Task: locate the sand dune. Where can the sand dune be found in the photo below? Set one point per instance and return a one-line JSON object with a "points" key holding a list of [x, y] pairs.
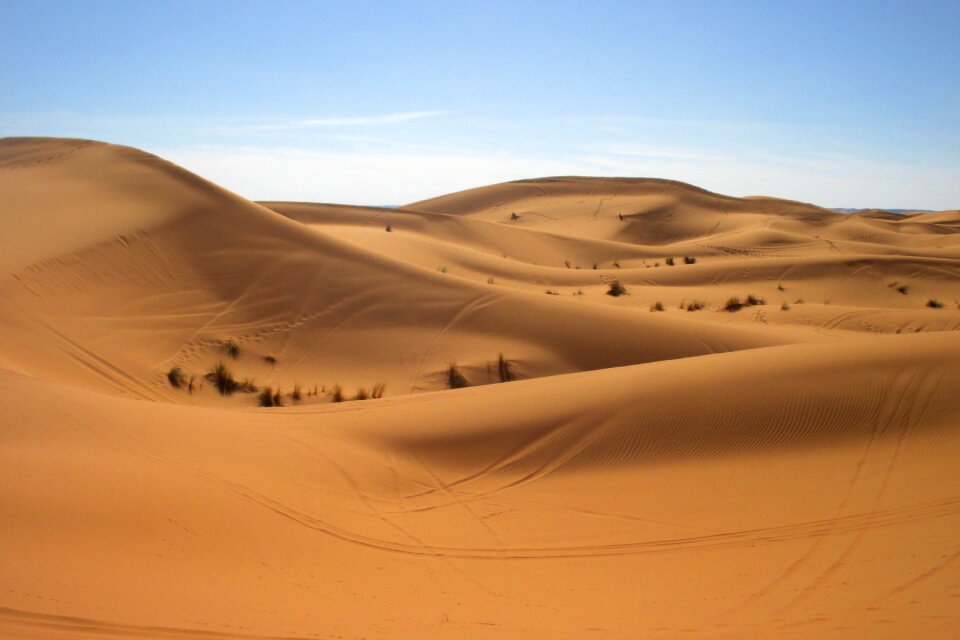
{"points": [[787, 468]]}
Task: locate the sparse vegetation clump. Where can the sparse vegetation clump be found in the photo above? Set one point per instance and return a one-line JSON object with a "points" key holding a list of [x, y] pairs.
{"points": [[361, 394], [733, 304], [297, 393], [175, 377], [278, 398], [232, 349], [505, 369], [696, 305], [552, 292], [567, 262], [785, 306], [389, 228], [455, 379], [265, 399], [337, 394], [222, 379], [934, 304], [247, 386], [514, 216], [442, 269], [490, 280], [656, 306], [616, 264], [689, 260], [669, 262], [578, 292], [616, 289], [595, 265], [270, 360], [378, 390]]}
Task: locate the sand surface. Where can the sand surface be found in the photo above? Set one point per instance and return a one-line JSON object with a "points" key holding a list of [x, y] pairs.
{"points": [[788, 469]]}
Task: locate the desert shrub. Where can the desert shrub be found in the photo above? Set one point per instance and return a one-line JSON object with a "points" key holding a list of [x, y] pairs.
{"points": [[361, 394], [656, 306], [504, 369], [567, 262], [278, 398], [232, 349], [389, 228], [378, 390], [455, 379], [190, 384], [247, 386], [798, 301], [753, 301], [265, 398], [442, 269], [621, 217], [552, 292], [689, 260], [297, 393], [656, 264], [578, 292], [903, 289], [514, 216], [595, 265], [669, 262], [616, 289], [222, 379], [934, 304], [616, 264], [733, 304], [175, 377], [696, 305], [490, 280], [785, 306], [337, 393], [270, 360]]}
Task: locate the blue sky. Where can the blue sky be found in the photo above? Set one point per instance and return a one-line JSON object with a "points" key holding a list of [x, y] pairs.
{"points": [[853, 104]]}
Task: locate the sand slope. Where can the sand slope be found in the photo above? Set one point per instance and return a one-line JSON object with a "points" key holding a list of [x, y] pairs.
{"points": [[759, 473]]}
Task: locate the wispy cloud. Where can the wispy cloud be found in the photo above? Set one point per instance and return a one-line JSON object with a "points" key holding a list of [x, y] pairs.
{"points": [[334, 122]]}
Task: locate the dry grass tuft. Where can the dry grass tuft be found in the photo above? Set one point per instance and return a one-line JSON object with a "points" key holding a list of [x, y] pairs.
{"points": [[175, 377], [222, 379], [455, 379], [616, 289], [733, 304], [505, 369]]}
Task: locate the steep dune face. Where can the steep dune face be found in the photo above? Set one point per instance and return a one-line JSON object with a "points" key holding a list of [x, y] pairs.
{"points": [[783, 467]]}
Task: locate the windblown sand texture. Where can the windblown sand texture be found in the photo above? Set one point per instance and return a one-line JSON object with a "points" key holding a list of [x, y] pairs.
{"points": [[788, 469]]}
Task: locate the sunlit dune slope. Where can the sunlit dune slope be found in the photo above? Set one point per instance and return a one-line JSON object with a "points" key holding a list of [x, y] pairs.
{"points": [[758, 438], [723, 496], [165, 270]]}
